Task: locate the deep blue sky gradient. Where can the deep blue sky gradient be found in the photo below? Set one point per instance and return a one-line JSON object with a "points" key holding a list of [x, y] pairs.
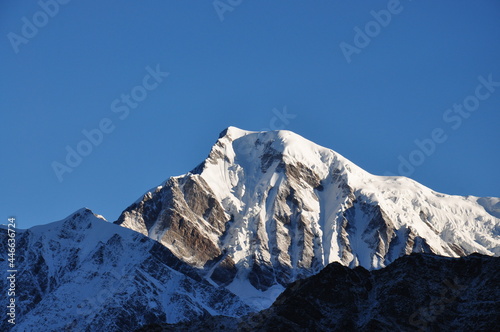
{"points": [[264, 55]]}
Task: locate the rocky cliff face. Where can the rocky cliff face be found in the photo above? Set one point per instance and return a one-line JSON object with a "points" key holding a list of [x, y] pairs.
{"points": [[420, 292], [85, 274], [267, 208]]}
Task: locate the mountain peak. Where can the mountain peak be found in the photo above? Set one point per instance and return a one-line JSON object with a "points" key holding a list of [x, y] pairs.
{"points": [[245, 144], [85, 212], [267, 208], [234, 133]]}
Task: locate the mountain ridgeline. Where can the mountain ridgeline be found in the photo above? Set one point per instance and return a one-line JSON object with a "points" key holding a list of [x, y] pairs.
{"points": [[264, 212], [267, 208]]}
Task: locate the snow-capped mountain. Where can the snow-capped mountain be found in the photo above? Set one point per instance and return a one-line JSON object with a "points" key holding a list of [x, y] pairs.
{"points": [[262, 211], [86, 274], [267, 208]]}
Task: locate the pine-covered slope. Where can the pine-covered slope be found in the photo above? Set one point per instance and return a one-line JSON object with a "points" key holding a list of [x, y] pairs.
{"points": [[267, 208]]}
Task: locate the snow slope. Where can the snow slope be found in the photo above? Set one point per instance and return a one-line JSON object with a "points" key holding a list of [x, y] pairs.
{"points": [[85, 274]]}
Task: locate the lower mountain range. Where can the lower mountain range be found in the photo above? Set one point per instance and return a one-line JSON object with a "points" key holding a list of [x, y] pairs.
{"points": [[420, 292]]}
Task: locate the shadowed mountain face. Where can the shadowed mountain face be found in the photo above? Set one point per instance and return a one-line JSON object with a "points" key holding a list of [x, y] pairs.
{"points": [[420, 291], [417, 292], [267, 208]]}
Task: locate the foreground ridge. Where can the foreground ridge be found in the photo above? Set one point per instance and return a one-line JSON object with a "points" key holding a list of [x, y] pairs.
{"points": [[416, 292]]}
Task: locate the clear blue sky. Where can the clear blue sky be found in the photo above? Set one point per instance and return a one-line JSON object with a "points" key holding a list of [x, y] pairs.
{"points": [[64, 77]]}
